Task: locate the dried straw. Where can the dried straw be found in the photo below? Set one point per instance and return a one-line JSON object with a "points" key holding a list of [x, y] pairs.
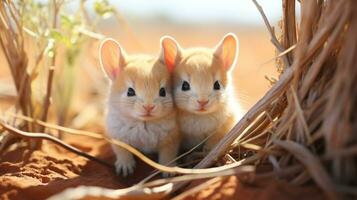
{"points": [[12, 45]]}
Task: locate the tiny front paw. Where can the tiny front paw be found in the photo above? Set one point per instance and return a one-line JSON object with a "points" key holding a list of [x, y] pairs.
{"points": [[125, 166]]}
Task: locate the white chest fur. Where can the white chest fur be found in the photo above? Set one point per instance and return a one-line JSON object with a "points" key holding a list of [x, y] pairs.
{"points": [[145, 136], [195, 128]]}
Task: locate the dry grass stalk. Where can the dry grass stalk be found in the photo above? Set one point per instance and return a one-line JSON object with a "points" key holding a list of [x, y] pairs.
{"points": [[47, 100], [161, 187], [12, 45], [43, 136]]}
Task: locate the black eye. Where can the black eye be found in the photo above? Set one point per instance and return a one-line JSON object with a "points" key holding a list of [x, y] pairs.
{"points": [[185, 86], [131, 92], [162, 92], [216, 86]]}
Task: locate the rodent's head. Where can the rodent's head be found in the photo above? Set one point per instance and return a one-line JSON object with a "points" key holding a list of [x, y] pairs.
{"points": [[200, 75], [140, 85]]}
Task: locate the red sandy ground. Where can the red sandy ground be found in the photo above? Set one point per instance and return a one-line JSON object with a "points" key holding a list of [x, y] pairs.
{"points": [[40, 174]]}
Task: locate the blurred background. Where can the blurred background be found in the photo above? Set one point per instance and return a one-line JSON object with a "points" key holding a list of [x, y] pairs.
{"points": [[79, 87]]}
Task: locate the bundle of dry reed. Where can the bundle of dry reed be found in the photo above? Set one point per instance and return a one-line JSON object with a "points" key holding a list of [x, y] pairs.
{"points": [[12, 45]]}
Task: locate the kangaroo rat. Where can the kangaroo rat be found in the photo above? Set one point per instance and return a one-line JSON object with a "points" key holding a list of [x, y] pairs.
{"points": [[140, 107], [202, 89]]}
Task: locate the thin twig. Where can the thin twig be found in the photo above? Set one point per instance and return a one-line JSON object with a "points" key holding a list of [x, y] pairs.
{"points": [[51, 70], [43, 136]]}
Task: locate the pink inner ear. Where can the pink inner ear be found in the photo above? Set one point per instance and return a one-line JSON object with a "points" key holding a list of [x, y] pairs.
{"points": [[230, 53], [111, 57], [170, 63], [227, 50], [115, 72], [170, 52]]}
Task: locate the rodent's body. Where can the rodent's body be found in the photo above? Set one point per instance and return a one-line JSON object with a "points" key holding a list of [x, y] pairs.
{"points": [[140, 108], [202, 90], [195, 128]]}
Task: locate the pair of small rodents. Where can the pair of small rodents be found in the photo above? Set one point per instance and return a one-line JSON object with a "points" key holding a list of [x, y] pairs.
{"points": [[159, 104]]}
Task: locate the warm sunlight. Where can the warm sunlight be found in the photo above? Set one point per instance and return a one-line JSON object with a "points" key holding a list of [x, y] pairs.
{"points": [[178, 99]]}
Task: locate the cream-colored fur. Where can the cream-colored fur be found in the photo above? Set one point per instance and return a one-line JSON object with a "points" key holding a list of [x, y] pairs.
{"points": [[128, 118], [201, 68], [142, 135]]}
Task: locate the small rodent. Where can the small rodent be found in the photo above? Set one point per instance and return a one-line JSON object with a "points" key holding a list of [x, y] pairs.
{"points": [[140, 108], [202, 89]]}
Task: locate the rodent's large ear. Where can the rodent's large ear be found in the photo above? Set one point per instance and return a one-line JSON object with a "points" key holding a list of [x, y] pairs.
{"points": [[227, 50], [111, 57], [170, 52]]}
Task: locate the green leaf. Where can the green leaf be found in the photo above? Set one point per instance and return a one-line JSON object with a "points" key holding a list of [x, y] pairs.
{"points": [[67, 21], [59, 37], [103, 8], [56, 35]]}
